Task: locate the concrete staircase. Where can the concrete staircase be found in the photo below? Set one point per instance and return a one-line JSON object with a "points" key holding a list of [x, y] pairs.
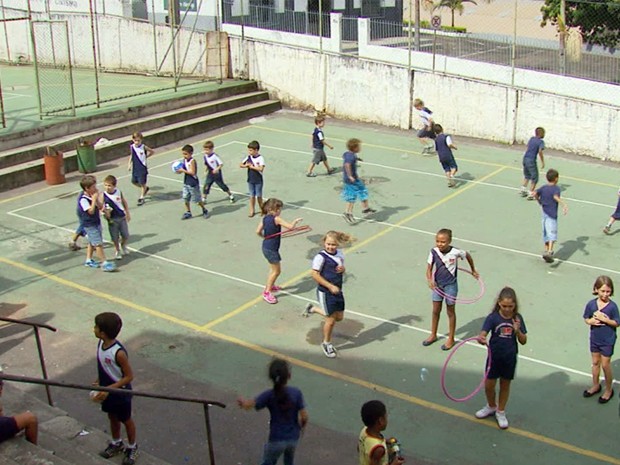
{"points": [[62, 439], [21, 158]]}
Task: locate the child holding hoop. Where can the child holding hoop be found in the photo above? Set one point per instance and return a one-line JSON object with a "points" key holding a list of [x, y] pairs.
{"points": [[288, 414], [601, 314], [506, 326], [328, 272], [270, 229], [443, 260]]}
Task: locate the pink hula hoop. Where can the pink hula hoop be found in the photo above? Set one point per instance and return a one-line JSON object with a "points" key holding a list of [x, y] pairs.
{"points": [[445, 367], [290, 232], [464, 301]]}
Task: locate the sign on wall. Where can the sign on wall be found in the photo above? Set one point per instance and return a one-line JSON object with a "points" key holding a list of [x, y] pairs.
{"points": [[183, 5]]}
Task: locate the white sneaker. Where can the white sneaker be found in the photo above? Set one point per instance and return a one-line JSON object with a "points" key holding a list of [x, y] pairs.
{"points": [[502, 421], [328, 349], [118, 255], [125, 251], [485, 411]]}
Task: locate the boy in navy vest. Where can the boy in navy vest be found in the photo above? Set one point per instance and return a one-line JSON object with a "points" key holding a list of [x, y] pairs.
{"points": [[444, 147], [88, 205], [114, 371], [116, 211], [255, 164], [425, 134]]}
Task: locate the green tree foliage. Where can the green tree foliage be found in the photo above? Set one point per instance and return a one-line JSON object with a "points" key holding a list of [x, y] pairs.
{"points": [[597, 20], [453, 5]]}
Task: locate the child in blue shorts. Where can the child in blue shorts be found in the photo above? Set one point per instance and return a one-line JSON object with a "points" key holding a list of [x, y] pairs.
{"points": [[614, 216], [89, 203], [601, 314], [255, 164], [353, 188], [535, 148], [191, 184], [548, 197], [444, 147]]}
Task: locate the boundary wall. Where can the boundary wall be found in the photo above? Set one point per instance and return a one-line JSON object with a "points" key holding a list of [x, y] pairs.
{"points": [[468, 98]]}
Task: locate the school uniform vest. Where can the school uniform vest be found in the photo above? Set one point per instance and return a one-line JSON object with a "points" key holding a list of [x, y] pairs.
{"points": [[211, 162], [328, 271], [254, 177], [317, 139], [85, 218], [443, 150], [108, 369], [443, 277], [138, 158], [190, 180], [269, 228], [114, 203]]}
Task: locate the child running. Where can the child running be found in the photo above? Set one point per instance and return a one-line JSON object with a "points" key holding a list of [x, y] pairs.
{"points": [[287, 410], [89, 204], [444, 147], [318, 148], [328, 272], [114, 371], [612, 219], [601, 314], [506, 326], [535, 148], [191, 185], [443, 260], [270, 229], [426, 134], [255, 164], [137, 164], [353, 188], [548, 197], [116, 211], [371, 447], [213, 168]]}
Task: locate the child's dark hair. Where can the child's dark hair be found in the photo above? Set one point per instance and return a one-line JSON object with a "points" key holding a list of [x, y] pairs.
{"points": [[603, 281], [552, 175], [372, 411], [339, 236], [187, 148], [445, 232], [506, 293], [254, 145], [208, 145], [109, 323], [279, 373], [88, 181], [354, 145], [319, 119], [110, 180], [540, 132], [437, 128], [271, 205]]}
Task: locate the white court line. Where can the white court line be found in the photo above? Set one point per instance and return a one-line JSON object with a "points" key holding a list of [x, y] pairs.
{"points": [[305, 299], [12, 95], [43, 202], [426, 173]]}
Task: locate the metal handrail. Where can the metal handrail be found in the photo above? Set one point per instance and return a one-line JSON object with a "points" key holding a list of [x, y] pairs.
{"points": [[205, 403], [37, 336]]}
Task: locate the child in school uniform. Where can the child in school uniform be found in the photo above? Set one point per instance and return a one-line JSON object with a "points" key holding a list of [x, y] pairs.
{"points": [[191, 185], [139, 152], [614, 216], [372, 448], [425, 134], [255, 164], [116, 211], [318, 148], [213, 168], [353, 188], [444, 147], [535, 148], [548, 197]]}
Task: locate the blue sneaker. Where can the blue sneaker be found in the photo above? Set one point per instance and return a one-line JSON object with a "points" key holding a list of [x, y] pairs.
{"points": [[91, 263], [108, 266], [186, 216]]}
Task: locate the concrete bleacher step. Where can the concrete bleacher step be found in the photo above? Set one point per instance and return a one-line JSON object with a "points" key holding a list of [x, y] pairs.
{"points": [[68, 142], [32, 171], [63, 440]]}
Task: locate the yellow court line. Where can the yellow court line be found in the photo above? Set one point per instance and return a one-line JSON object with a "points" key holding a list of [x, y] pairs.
{"points": [[315, 368], [478, 162], [157, 154], [366, 241], [101, 295]]}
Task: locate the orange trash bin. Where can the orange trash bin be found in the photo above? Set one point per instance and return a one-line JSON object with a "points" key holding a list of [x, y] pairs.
{"points": [[54, 166]]}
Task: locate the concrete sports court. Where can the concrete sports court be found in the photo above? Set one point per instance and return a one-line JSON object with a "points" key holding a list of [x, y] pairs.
{"points": [[195, 322]]}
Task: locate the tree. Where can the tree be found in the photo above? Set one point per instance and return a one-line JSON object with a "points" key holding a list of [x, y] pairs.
{"points": [[597, 20], [453, 5]]}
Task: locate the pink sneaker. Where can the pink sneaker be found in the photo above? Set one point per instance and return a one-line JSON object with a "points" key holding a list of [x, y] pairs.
{"points": [[275, 288], [269, 298]]}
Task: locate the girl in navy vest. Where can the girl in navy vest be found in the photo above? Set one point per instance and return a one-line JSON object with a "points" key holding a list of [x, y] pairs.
{"points": [[270, 229], [601, 314], [328, 272], [443, 260], [138, 153], [444, 147], [506, 327]]}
